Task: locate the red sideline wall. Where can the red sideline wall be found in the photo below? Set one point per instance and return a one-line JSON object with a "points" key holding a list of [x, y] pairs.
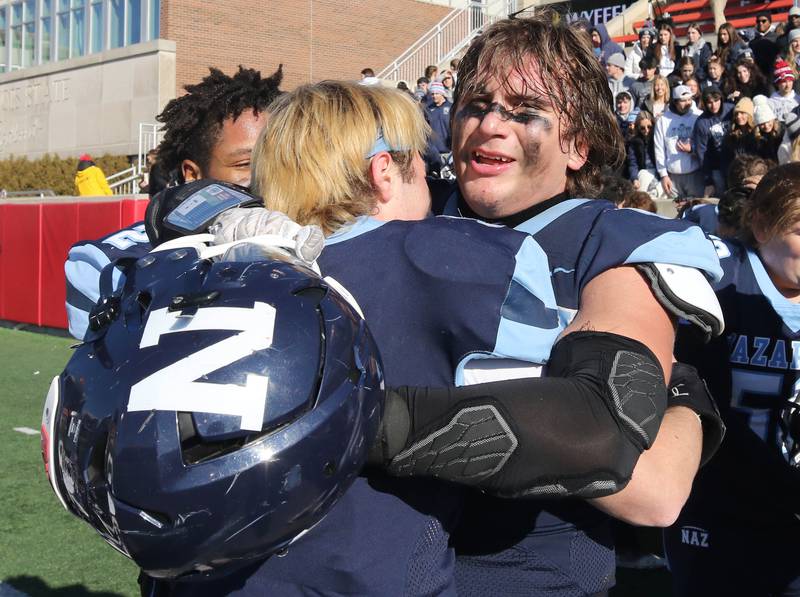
{"points": [[35, 236]]}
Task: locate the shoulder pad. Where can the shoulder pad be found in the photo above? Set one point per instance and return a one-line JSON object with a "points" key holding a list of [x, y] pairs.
{"points": [[686, 293]]}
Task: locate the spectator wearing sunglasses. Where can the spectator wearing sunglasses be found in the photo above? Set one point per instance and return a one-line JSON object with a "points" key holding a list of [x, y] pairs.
{"points": [[765, 43]]}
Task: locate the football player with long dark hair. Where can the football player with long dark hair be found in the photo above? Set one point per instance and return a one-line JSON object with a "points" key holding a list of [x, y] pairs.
{"points": [[366, 141]]}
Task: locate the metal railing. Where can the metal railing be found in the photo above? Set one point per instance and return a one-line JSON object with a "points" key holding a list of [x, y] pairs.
{"points": [[446, 39], [122, 182], [126, 181]]}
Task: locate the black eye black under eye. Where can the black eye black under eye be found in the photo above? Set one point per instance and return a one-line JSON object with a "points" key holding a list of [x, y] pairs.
{"points": [[522, 117]]}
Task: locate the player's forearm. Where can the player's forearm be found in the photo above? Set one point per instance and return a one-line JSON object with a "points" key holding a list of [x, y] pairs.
{"points": [[577, 433], [662, 478]]}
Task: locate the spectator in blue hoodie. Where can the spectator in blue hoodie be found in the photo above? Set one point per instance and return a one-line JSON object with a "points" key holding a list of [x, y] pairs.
{"points": [[603, 46], [437, 113], [709, 131]]}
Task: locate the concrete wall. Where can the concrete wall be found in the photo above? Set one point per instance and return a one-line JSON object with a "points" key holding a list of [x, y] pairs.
{"points": [[314, 39], [91, 104]]}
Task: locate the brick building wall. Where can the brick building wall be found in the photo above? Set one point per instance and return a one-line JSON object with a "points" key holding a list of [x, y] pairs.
{"points": [[314, 39]]}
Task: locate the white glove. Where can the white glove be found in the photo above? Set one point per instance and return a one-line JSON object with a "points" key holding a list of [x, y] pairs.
{"points": [[239, 223]]}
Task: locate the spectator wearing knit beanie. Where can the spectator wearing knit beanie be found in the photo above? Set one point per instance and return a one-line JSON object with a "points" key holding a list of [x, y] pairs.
{"points": [[769, 132], [740, 138], [793, 51], [784, 99], [437, 113]]}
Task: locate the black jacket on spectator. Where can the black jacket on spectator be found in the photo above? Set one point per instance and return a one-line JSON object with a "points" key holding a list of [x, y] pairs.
{"points": [[637, 158], [707, 138], [733, 145], [765, 50], [766, 146], [750, 89]]}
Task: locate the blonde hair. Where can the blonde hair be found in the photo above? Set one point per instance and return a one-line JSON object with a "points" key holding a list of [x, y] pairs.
{"points": [[795, 150], [663, 80], [791, 58], [311, 160]]}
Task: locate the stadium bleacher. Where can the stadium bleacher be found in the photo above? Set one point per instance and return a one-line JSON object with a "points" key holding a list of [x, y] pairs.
{"points": [[740, 13]]}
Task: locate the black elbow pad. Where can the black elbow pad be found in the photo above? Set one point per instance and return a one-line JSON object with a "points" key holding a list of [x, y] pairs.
{"points": [[577, 432], [624, 373]]}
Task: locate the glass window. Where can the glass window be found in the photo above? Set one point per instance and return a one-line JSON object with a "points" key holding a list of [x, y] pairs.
{"points": [[16, 46], [78, 28], [3, 46], [155, 19], [47, 39], [117, 29], [16, 35], [63, 35], [97, 26], [28, 33], [28, 56], [46, 28], [134, 22]]}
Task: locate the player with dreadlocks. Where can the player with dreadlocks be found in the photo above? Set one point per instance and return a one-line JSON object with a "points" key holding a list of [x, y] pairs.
{"points": [[209, 133]]}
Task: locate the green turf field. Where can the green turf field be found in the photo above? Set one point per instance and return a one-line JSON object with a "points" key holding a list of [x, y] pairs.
{"points": [[43, 549]]}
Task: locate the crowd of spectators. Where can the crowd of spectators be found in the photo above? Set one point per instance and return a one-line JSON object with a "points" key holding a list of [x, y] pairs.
{"points": [[685, 109], [434, 94], [689, 109]]}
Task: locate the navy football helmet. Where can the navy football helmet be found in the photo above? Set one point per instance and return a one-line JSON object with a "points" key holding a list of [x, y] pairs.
{"points": [[221, 409]]}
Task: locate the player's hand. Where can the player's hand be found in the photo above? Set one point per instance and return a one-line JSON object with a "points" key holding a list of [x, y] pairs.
{"points": [[709, 191], [239, 223], [687, 389]]}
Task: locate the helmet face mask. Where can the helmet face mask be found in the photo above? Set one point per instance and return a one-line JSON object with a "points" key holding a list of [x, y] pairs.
{"points": [[219, 416], [790, 431]]}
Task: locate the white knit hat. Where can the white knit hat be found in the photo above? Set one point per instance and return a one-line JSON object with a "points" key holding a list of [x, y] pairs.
{"points": [[763, 113]]}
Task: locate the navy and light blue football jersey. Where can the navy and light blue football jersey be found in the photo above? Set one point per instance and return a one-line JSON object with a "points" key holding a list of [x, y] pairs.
{"points": [[704, 215], [432, 292], [551, 547], [443, 297], [740, 521], [761, 341], [85, 262]]}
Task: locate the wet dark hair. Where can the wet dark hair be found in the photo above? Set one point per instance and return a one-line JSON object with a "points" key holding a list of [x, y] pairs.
{"points": [[569, 76], [729, 210], [613, 187], [744, 166], [193, 121]]}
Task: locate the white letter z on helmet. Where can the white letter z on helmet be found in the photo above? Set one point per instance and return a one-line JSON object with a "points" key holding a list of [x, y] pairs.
{"points": [[218, 414]]}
